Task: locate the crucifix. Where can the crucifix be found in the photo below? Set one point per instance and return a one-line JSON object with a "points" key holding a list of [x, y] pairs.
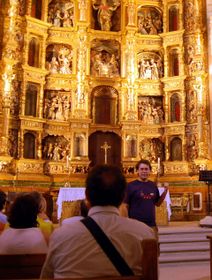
{"points": [[105, 147]]}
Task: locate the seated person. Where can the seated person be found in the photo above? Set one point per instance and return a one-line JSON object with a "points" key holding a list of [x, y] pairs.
{"points": [[23, 236], [44, 223], [73, 251], [79, 212], [3, 217]]}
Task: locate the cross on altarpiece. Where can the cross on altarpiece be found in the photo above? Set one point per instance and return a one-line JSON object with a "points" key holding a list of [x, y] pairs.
{"points": [[105, 147]]}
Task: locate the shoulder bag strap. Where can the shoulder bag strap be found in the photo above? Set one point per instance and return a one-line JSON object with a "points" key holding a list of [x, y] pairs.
{"points": [[107, 246]]}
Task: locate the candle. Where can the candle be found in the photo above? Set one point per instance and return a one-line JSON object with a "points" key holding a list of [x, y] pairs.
{"points": [[67, 162], [158, 164]]}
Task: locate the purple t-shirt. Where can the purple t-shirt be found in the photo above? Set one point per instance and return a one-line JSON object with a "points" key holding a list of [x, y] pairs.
{"points": [[141, 198]]}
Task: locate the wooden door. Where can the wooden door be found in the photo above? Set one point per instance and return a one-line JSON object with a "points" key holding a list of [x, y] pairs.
{"points": [[97, 152]]}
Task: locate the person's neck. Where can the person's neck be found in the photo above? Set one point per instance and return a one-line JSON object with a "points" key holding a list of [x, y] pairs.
{"points": [[143, 179]]}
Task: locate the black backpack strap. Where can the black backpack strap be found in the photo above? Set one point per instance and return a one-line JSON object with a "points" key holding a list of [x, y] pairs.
{"points": [[107, 246]]}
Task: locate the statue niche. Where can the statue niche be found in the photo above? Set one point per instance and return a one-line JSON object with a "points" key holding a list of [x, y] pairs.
{"points": [[61, 13], [173, 62], [29, 145], [150, 110], [150, 21], [150, 66], [104, 105], [151, 149], [55, 148], [34, 53], [131, 146], [106, 15], [173, 18], [36, 9], [31, 99], [57, 105], [105, 58], [175, 108], [59, 59], [176, 149], [79, 144]]}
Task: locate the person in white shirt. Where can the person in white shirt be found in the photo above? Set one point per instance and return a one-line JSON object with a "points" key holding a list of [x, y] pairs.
{"points": [[73, 251], [23, 236]]}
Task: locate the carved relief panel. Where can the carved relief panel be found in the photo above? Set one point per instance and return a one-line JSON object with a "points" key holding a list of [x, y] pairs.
{"points": [[61, 13], [55, 148], [105, 58], [59, 59], [106, 15], [57, 105], [150, 21], [150, 110], [151, 149]]}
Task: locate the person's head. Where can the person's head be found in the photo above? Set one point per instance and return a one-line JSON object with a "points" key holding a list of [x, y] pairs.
{"points": [[144, 168], [40, 200], [23, 212], [3, 199], [105, 185]]}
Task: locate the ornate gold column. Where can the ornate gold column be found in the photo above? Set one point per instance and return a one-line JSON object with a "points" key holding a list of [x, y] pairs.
{"points": [[9, 55], [131, 110]]}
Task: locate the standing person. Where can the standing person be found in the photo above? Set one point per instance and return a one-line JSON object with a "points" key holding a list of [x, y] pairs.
{"points": [[142, 196], [73, 251], [3, 217]]}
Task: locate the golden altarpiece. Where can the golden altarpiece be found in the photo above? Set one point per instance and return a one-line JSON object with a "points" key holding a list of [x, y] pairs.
{"points": [[88, 81]]}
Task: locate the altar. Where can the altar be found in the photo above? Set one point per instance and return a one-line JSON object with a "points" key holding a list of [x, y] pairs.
{"points": [[67, 197]]}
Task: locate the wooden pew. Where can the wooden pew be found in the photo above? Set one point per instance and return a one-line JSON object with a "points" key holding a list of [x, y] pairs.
{"points": [[21, 266], [29, 266]]}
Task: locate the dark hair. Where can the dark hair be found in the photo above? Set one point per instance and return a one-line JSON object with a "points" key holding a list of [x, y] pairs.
{"points": [[3, 199], [143, 161], [83, 208], [105, 185], [23, 212]]}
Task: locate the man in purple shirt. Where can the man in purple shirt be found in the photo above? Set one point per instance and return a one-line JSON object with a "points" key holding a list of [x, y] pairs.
{"points": [[142, 196]]}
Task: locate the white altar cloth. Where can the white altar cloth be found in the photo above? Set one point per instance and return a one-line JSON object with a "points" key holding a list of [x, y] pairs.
{"points": [[68, 194], [168, 201], [72, 194]]}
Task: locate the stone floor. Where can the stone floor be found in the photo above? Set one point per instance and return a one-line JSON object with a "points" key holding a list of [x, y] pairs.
{"points": [[183, 271]]}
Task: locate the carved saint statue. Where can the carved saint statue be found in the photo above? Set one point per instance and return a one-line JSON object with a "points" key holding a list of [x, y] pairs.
{"points": [[105, 12]]}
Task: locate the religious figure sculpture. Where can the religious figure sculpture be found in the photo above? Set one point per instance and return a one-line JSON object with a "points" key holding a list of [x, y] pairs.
{"points": [[149, 21], [105, 12]]}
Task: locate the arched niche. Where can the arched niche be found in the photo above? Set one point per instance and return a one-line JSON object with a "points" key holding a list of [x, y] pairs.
{"points": [[59, 59], [106, 15], [150, 20], [36, 9], [150, 65], [79, 144], [61, 13], [105, 105], [29, 145], [173, 62], [131, 146], [176, 149], [176, 109], [105, 58], [34, 52], [31, 99], [173, 18]]}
